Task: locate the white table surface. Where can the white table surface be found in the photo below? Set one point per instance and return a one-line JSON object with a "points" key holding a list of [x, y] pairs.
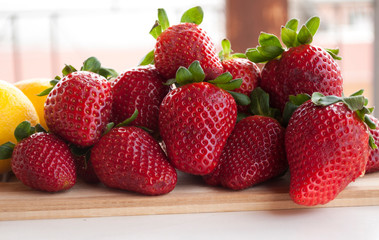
{"points": [[355, 223]]}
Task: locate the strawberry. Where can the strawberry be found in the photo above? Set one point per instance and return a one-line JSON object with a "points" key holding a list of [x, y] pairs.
{"points": [[254, 152], [301, 68], [240, 67], [129, 158], [40, 160], [327, 145], [373, 160], [196, 118], [181, 44], [140, 88], [79, 106]]}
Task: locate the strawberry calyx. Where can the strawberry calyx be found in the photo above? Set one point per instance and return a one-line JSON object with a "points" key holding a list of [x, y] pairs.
{"points": [[260, 104], [293, 103], [193, 15], [271, 48], [92, 64], [22, 131], [194, 73], [226, 52]]}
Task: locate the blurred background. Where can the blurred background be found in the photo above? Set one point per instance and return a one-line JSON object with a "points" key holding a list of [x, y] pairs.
{"points": [[38, 37]]}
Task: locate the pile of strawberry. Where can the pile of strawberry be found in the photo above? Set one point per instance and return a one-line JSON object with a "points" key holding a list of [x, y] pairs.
{"points": [[190, 109]]}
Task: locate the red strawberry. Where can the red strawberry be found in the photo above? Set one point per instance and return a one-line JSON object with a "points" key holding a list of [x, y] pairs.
{"points": [[253, 153], [302, 68], [42, 161], [195, 120], [129, 158], [138, 88], [373, 160], [327, 147], [240, 67], [79, 107], [181, 44]]}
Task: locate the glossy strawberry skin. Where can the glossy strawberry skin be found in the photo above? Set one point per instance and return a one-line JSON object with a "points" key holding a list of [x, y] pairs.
{"points": [[327, 148], [302, 69], [129, 158], [138, 88], [195, 121], [44, 162], [253, 154], [247, 71], [373, 159], [180, 45], [79, 107]]}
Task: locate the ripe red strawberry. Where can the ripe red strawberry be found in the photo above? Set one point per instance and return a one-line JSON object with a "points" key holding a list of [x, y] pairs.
{"points": [[181, 44], [253, 153], [79, 107], [373, 159], [327, 145], [195, 120], [129, 158], [138, 88], [302, 68], [41, 160], [240, 67]]}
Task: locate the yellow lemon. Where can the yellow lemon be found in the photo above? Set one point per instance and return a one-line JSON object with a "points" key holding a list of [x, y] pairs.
{"points": [[15, 107], [31, 88]]}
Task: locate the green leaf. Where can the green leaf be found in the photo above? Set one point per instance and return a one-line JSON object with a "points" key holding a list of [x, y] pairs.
{"points": [[357, 93], [299, 98], [226, 49], [23, 130], [169, 82], [108, 73], [45, 92], [266, 39], [371, 142], [68, 69], [223, 78], [355, 102], [92, 64], [333, 53], [193, 15], [270, 52], [369, 122], [156, 30], [163, 19], [6, 150], [241, 115], [325, 100], [238, 55], [259, 102], [147, 59], [39, 128], [288, 37], [313, 24], [197, 71], [304, 36], [292, 24], [129, 120], [56, 78], [183, 76], [241, 99], [234, 84], [253, 55], [108, 127]]}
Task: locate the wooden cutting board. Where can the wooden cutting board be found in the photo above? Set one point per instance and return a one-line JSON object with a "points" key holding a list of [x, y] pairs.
{"points": [[191, 195]]}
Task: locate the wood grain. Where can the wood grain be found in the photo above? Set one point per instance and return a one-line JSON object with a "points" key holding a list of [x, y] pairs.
{"points": [[190, 196]]}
